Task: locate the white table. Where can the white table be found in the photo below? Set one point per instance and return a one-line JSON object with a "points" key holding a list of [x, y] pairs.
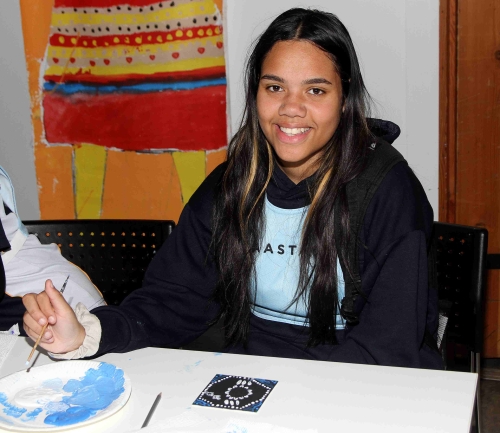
{"points": [[324, 396]]}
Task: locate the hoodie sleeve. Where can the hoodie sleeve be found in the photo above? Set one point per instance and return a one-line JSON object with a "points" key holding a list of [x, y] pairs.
{"points": [[4, 245], [11, 308], [399, 305], [173, 307]]}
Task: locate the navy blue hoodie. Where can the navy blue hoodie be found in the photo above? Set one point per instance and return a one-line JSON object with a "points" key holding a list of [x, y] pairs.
{"points": [[173, 307]]}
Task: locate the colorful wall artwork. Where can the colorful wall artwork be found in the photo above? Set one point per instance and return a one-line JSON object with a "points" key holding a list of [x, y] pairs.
{"points": [[128, 104]]}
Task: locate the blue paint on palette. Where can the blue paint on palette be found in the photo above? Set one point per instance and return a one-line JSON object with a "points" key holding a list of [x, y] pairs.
{"points": [[93, 392], [10, 409], [76, 400], [33, 414]]}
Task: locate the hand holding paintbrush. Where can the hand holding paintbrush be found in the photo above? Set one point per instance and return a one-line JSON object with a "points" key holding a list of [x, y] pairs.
{"points": [[44, 327], [50, 308]]}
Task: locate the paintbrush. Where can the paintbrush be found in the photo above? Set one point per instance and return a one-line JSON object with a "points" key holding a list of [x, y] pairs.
{"points": [[64, 285], [44, 328], [152, 410]]}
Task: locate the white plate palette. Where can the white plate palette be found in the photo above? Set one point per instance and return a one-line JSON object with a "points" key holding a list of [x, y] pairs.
{"points": [[63, 395]]}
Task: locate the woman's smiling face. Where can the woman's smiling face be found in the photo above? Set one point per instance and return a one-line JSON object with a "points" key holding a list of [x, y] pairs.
{"points": [[299, 103]]}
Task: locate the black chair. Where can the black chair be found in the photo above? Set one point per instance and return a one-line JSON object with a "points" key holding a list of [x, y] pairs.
{"points": [[460, 257], [114, 253]]}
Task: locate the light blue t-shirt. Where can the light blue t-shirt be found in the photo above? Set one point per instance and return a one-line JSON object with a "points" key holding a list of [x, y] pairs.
{"points": [[278, 268]]}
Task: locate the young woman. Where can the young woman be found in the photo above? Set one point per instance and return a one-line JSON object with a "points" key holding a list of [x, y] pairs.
{"points": [[264, 242]]}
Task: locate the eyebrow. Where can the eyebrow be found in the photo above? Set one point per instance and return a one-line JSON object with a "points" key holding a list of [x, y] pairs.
{"points": [[272, 78], [316, 81], [308, 81]]}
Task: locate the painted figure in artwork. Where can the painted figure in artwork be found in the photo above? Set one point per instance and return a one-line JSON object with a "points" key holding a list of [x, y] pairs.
{"points": [[135, 88]]}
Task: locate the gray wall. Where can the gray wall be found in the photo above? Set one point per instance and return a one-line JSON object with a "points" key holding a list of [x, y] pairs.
{"points": [[16, 133], [396, 40]]}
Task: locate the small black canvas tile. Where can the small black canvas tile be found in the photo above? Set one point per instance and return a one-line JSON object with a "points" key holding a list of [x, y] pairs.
{"points": [[235, 392]]}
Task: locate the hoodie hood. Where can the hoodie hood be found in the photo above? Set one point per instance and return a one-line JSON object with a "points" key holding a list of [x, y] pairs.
{"points": [[285, 194], [384, 129]]}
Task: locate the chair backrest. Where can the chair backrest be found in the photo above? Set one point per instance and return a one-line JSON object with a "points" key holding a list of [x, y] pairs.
{"points": [[460, 254], [114, 253]]}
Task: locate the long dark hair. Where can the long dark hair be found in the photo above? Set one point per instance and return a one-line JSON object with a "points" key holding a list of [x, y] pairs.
{"points": [[238, 221]]}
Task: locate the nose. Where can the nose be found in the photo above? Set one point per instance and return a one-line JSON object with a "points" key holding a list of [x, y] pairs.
{"points": [[292, 106]]}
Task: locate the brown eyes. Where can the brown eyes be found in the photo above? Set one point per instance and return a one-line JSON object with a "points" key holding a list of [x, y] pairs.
{"points": [[274, 88], [316, 91]]}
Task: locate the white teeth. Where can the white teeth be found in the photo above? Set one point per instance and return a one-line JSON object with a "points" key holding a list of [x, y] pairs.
{"points": [[294, 131]]}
